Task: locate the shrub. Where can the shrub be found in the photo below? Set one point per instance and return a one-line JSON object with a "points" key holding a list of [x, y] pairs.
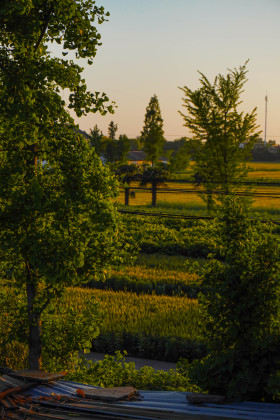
{"points": [[241, 310], [66, 330], [114, 371]]}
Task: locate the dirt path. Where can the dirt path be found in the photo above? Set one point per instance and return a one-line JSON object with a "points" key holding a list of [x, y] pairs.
{"points": [[157, 365]]}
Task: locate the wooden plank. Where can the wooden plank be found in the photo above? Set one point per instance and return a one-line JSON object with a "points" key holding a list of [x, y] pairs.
{"points": [[37, 375], [109, 394], [200, 398]]}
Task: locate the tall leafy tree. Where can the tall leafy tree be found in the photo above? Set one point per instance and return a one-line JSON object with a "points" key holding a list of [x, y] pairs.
{"points": [[123, 148], [112, 129], [224, 136], [96, 136], [58, 224], [116, 150], [152, 133]]}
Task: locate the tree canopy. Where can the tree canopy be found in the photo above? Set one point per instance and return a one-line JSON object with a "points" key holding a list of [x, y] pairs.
{"points": [[240, 308], [58, 224], [223, 135], [152, 133]]}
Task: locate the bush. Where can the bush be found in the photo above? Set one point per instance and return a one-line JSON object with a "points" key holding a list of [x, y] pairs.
{"points": [[171, 236], [66, 330], [113, 371], [241, 310], [149, 347]]}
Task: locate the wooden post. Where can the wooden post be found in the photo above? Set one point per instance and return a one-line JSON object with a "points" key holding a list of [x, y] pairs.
{"points": [[126, 196], [154, 193]]}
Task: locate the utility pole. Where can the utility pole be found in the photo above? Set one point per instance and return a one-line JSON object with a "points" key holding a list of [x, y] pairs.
{"points": [[265, 126]]}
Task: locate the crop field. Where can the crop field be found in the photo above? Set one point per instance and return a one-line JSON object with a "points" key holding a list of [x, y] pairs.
{"points": [[185, 196], [150, 326], [151, 315], [158, 279], [264, 170], [150, 307]]}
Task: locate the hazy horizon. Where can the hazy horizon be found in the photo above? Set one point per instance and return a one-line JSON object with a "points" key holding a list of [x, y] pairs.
{"points": [[155, 46]]}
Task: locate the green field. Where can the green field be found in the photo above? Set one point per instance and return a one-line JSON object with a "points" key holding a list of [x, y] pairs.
{"points": [[188, 197]]}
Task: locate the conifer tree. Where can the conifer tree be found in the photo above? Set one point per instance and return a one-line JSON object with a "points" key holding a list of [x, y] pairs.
{"points": [[152, 133], [96, 136], [112, 129]]}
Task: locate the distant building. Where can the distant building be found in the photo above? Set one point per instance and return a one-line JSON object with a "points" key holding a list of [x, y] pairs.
{"points": [[138, 157]]}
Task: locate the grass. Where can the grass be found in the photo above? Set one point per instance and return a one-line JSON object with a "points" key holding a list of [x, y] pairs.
{"points": [[165, 262], [161, 316], [188, 199]]}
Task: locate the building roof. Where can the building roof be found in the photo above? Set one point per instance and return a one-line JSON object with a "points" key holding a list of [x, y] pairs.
{"points": [[141, 156], [137, 155], [60, 399]]}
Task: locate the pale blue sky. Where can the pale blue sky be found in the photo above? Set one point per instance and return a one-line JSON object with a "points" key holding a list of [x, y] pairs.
{"points": [[153, 46]]}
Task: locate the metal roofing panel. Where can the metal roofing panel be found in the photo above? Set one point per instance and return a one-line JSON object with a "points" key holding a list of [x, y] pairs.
{"points": [[173, 401]]}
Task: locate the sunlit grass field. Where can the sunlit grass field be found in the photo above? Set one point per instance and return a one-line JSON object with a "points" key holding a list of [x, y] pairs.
{"points": [[188, 197], [152, 315]]}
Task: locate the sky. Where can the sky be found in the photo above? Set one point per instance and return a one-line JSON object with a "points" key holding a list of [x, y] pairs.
{"points": [[156, 46]]}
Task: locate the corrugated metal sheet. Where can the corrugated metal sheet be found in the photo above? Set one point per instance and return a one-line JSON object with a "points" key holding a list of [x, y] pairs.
{"points": [[171, 401]]}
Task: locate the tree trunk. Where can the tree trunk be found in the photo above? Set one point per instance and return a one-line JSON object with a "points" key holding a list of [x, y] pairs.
{"points": [[154, 194], [126, 196], [210, 201], [34, 339]]}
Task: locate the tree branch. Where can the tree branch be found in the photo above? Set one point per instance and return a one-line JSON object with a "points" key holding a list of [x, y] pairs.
{"points": [[45, 26]]}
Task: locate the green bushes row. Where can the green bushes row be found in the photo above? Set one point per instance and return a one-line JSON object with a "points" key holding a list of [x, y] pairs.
{"points": [[149, 347], [136, 285], [171, 236], [113, 371]]}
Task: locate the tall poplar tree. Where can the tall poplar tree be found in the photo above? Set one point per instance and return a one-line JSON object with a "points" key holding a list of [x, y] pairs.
{"points": [[152, 133], [223, 135], [112, 129], [95, 140], [58, 225]]}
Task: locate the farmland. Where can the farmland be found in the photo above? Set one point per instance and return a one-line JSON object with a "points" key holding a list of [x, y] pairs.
{"points": [[180, 193], [158, 293], [149, 306]]}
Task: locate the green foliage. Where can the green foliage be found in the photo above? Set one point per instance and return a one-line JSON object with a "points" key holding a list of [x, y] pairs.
{"points": [[58, 223], [171, 236], [241, 309], [139, 344], [96, 140], [153, 281], [222, 136], [123, 148], [67, 329], [147, 325], [180, 159], [155, 274], [127, 173], [112, 129], [13, 329], [115, 151], [114, 371], [152, 133]]}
